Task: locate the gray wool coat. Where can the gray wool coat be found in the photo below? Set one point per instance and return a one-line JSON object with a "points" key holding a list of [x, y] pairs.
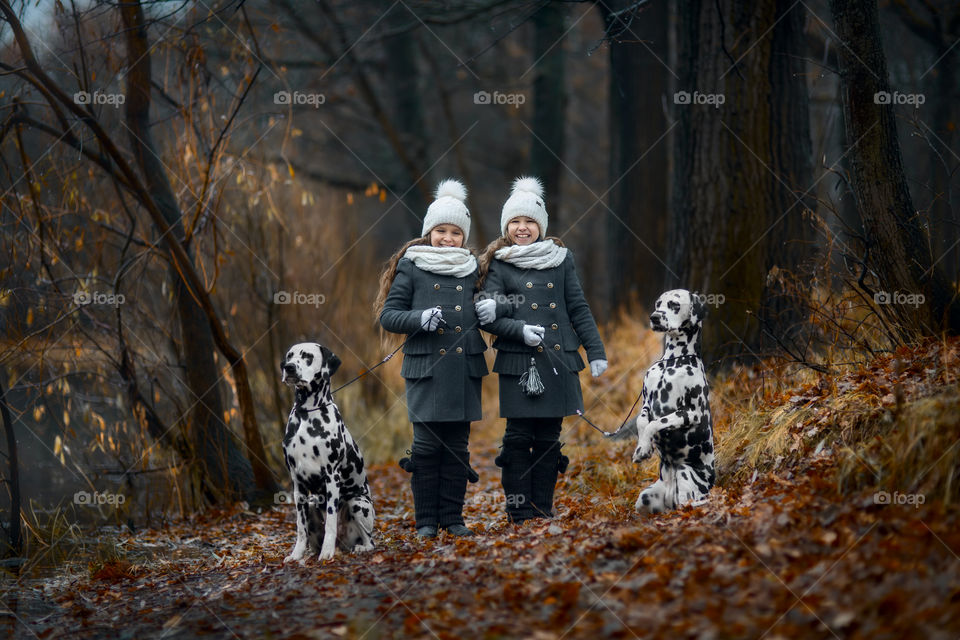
{"points": [[443, 368], [552, 298]]}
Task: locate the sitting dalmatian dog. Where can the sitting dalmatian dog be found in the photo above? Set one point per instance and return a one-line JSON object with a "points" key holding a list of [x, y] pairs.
{"points": [[675, 416], [330, 488]]}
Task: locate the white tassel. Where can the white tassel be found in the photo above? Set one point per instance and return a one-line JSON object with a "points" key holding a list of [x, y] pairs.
{"points": [[530, 381]]}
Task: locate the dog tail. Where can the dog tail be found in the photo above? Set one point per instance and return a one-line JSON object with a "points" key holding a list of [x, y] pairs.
{"points": [[624, 432]]}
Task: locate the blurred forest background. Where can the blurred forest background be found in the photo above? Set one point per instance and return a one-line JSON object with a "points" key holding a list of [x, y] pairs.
{"points": [[189, 187]]}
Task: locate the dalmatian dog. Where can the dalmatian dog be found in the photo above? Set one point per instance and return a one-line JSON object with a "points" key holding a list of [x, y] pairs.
{"points": [[675, 416], [330, 487]]}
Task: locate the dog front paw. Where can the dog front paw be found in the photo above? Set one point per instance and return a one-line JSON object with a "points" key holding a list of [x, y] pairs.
{"points": [[363, 547], [643, 451], [326, 554]]}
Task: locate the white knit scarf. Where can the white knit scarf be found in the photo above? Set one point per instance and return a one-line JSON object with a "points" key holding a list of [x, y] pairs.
{"points": [[444, 261], [537, 255]]}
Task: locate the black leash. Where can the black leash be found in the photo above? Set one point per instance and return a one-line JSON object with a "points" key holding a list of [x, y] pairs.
{"points": [[630, 413], [580, 413], [385, 360]]}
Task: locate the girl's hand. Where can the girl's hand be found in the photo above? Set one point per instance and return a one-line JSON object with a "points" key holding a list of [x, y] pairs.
{"points": [[430, 319], [486, 310], [597, 367], [532, 334]]}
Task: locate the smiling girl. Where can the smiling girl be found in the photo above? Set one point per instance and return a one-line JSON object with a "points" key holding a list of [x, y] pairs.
{"points": [[540, 315], [427, 291]]}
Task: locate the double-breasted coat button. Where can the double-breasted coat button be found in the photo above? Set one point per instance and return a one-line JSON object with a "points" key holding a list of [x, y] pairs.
{"points": [[556, 347], [436, 285], [443, 351], [439, 332], [459, 287], [533, 305], [458, 329], [554, 326], [549, 285], [540, 349], [529, 285], [553, 305], [459, 349], [457, 308]]}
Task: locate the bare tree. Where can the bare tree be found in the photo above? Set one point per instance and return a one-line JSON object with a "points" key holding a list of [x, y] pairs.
{"points": [[637, 223], [201, 327], [896, 249], [738, 200]]}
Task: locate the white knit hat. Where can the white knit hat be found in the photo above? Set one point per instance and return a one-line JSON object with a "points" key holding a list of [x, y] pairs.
{"points": [[448, 208], [526, 199]]}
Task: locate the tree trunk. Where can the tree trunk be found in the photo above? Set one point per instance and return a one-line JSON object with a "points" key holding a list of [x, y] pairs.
{"points": [[549, 105], [734, 198], [223, 462], [897, 248], [402, 75], [13, 532], [636, 228], [792, 238]]}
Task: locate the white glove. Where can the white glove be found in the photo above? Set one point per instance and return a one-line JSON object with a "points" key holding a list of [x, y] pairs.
{"points": [[430, 319], [486, 310], [532, 334], [597, 367]]}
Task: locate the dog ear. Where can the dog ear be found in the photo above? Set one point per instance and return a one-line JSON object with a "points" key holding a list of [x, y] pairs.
{"points": [[698, 307], [331, 359]]}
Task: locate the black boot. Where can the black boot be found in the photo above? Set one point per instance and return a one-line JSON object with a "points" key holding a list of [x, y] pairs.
{"points": [[454, 472], [515, 477], [424, 482], [547, 462]]}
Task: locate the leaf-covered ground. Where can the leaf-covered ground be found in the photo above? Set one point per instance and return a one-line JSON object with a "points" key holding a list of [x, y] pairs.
{"points": [[788, 546], [780, 557]]}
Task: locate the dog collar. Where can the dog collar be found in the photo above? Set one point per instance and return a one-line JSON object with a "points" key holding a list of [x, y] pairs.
{"points": [[318, 407], [689, 355]]}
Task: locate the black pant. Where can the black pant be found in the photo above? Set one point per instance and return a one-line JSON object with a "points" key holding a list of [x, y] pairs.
{"points": [[441, 468]]}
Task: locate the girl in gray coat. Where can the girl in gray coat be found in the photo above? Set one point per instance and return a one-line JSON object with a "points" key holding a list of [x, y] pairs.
{"points": [[533, 302], [427, 291]]}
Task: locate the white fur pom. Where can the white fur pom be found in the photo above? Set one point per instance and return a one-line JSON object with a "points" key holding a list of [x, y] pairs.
{"points": [[528, 184], [452, 189]]}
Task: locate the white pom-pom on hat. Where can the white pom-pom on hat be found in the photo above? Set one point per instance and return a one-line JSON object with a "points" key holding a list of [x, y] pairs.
{"points": [[526, 199], [452, 189], [528, 184], [448, 208]]}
